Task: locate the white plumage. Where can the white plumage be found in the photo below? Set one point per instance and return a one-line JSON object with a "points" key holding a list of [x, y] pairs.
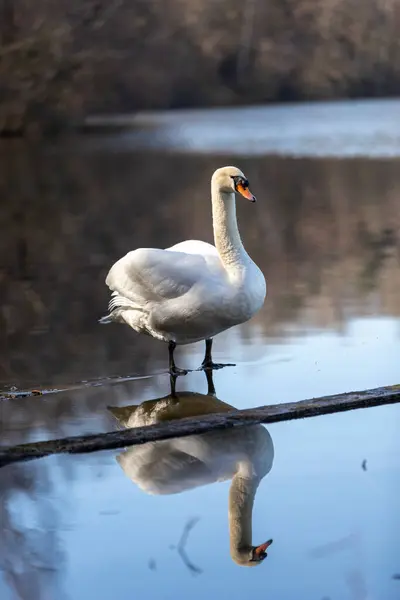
{"points": [[191, 291]]}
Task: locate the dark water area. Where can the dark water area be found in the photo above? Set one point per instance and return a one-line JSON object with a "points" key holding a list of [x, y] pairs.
{"points": [[325, 233]]}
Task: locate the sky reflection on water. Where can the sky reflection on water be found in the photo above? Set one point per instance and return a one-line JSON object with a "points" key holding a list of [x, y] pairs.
{"points": [[325, 233]]}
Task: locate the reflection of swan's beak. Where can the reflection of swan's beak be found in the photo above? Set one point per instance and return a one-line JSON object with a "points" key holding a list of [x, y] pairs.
{"points": [[259, 552], [246, 193]]}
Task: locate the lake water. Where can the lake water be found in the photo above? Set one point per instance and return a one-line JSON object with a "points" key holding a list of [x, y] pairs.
{"points": [[325, 234]]}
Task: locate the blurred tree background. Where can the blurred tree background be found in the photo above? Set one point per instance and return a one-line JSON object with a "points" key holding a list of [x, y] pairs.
{"points": [[62, 60]]}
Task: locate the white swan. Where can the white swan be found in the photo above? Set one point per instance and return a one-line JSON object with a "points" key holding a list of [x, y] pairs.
{"points": [[191, 291], [244, 455]]}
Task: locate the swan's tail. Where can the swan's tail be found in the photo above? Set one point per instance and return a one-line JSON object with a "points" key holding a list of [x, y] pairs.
{"points": [[106, 320], [118, 306], [121, 414]]}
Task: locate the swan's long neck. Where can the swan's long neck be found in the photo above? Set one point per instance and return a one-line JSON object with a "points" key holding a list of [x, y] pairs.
{"points": [[226, 234], [241, 500]]}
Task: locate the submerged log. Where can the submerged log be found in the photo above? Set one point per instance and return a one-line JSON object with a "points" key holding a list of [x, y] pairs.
{"points": [[195, 425]]}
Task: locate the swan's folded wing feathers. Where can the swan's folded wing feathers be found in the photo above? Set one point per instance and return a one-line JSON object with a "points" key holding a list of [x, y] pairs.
{"points": [[170, 472], [118, 301], [151, 274], [195, 247]]}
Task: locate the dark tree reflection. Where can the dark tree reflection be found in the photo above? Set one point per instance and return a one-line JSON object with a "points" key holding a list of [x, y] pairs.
{"points": [[323, 232]]}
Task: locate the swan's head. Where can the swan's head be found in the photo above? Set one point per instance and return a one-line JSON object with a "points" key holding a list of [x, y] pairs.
{"points": [[231, 179], [252, 555]]}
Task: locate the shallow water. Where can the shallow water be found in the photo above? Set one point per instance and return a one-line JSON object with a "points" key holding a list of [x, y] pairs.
{"points": [[363, 128], [325, 233]]}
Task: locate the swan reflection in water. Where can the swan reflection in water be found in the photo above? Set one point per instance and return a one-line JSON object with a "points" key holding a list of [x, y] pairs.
{"points": [[243, 454]]}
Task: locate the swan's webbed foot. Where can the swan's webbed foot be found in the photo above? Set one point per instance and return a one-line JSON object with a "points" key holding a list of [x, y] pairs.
{"points": [[208, 364], [212, 366], [174, 371]]}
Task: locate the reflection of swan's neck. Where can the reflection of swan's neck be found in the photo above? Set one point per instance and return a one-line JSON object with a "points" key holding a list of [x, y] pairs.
{"points": [[241, 500], [226, 234]]}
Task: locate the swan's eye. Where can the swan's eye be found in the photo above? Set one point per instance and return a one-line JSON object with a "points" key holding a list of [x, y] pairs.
{"points": [[242, 187], [240, 181]]}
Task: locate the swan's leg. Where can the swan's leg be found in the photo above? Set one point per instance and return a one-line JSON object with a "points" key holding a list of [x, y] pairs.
{"points": [[208, 362], [173, 369], [172, 381], [210, 382]]}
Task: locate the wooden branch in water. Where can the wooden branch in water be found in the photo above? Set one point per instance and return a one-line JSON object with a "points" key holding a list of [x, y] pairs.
{"points": [[196, 425]]}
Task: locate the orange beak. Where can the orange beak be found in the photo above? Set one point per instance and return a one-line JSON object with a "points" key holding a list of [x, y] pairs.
{"points": [[261, 550], [246, 193]]}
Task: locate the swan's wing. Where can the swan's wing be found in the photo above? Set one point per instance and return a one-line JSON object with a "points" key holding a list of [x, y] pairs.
{"points": [[161, 469], [150, 274], [195, 247]]}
